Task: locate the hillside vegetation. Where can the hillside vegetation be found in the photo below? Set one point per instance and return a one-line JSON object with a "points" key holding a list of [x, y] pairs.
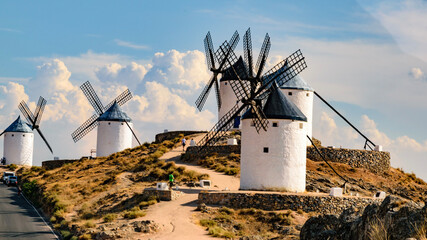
{"points": [[82, 196], [320, 176]]}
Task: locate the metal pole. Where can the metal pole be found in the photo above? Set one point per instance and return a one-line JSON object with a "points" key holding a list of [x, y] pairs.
{"points": [[339, 114]]}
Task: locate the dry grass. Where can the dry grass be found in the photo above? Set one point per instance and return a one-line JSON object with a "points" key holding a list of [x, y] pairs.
{"points": [[377, 230], [229, 223], [228, 164], [90, 192], [420, 231]]}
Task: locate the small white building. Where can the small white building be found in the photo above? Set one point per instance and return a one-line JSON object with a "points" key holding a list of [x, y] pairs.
{"points": [[301, 94], [274, 159], [18, 143], [228, 97], [113, 133]]}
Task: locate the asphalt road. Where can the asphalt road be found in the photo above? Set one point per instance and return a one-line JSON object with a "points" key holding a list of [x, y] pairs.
{"points": [[18, 219]]}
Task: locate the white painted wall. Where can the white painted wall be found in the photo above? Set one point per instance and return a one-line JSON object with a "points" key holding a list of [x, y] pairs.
{"points": [[305, 104], [18, 148], [113, 137], [284, 166], [228, 98]]}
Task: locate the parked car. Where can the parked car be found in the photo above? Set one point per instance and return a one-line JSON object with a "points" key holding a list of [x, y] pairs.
{"points": [[6, 175], [12, 180]]}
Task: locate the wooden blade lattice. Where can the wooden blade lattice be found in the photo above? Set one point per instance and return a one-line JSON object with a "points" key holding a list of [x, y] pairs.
{"points": [[92, 97], [85, 128]]}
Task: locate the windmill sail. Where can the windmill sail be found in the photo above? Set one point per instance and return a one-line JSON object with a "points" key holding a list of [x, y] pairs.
{"points": [[34, 120]]}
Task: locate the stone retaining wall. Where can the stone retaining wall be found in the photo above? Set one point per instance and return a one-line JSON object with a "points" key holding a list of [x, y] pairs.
{"points": [[52, 164], [277, 201], [375, 161], [173, 134], [221, 149], [163, 195]]}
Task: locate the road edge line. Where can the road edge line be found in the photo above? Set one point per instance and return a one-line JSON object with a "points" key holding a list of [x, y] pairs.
{"points": [[54, 234]]}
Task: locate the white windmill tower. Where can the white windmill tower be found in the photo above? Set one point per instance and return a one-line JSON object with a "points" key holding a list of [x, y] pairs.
{"points": [[274, 159], [301, 94], [114, 126], [19, 136], [18, 143]]}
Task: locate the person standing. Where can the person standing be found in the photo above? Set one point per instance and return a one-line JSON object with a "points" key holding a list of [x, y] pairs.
{"points": [[171, 179], [183, 143]]}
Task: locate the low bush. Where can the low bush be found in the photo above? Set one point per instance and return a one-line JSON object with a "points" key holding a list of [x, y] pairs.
{"points": [[133, 213], [12, 167], [110, 217], [89, 224]]}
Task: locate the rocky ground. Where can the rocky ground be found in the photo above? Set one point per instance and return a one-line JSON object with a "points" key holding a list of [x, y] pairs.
{"points": [[395, 218]]}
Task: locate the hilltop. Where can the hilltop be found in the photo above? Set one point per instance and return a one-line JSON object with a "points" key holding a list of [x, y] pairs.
{"points": [[103, 198]]}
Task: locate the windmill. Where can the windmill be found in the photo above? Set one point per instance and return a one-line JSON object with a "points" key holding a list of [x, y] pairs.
{"points": [[19, 136], [217, 62], [113, 135], [34, 119], [259, 86]]}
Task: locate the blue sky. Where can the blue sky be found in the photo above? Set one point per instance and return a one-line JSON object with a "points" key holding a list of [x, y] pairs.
{"points": [[366, 57]]}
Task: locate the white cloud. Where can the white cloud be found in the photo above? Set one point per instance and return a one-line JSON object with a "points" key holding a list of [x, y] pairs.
{"points": [[405, 151], [52, 77], [10, 96], [181, 72], [130, 45], [130, 75], [416, 73], [82, 66]]}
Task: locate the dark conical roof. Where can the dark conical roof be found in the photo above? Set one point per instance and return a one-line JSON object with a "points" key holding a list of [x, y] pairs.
{"points": [[239, 67], [297, 83], [19, 126], [279, 107], [115, 113]]}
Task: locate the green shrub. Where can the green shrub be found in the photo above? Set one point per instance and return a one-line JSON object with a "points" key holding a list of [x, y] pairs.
{"points": [[226, 210], [147, 203], [134, 213], [85, 236], [13, 167], [66, 234], [207, 222], [168, 144], [157, 154], [248, 211], [110, 217], [232, 171], [89, 224]]}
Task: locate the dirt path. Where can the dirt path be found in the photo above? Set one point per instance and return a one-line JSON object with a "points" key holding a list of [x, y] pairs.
{"points": [[176, 217]]}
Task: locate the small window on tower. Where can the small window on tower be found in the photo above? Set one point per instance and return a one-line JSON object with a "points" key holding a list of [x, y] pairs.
{"points": [[275, 124], [23, 135], [252, 124], [122, 123], [266, 149], [308, 94], [13, 135], [109, 123], [290, 93], [225, 83], [301, 125]]}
